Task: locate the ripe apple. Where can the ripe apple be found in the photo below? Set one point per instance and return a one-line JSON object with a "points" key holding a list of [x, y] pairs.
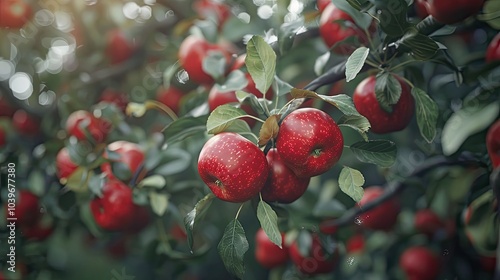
{"points": [[26, 210], [130, 155], [3, 137], [213, 9], [80, 120], [428, 222], [119, 99], [268, 254], [309, 142], [419, 263], [493, 143], [119, 48], [493, 50], [116, 210], [452, 11], [14, 13], [25, 123], [384, 216], [37, 232], [382, 121], [171, 97], [335, 26], [356, 243], [321, 4], [233, 167], [64, 165], [282, 185], [192, 51], [317, 262]]}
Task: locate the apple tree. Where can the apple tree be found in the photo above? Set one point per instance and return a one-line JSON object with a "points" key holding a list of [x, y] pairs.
{"points": [[265, 139]]}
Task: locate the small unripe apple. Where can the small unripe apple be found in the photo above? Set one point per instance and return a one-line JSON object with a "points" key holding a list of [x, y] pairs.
{"points": [[282, 185], [419, 263], [382, 217], [233, 167], [309, 142], [452, 11], [268, 254], [381, 121], [317, 262]]}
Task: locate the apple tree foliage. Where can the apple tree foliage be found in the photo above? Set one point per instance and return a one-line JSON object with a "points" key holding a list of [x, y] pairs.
{"points": [[114, 59]]}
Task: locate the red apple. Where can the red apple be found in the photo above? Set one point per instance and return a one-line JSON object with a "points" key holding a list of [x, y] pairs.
{"points": [[317, 262], [119, 48], [335, 26], [282, 185], [131, 156], [26, 209], [24, 123], [192, 51], [421, 9], [82, 120], [493, 50], [309, 142], [419, 263], [493, 143], [382, 217], [119, 99], [322, 4], [452, 11], [382, 121], [14, 13], [64, 165], [171, 97], [488, 263], [428, 222], [213, 9], [3, 137], [356, 243], [37, 232], [268, 254], [233, 167]]}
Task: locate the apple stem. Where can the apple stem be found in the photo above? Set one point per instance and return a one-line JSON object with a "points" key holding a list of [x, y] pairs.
{"points": [[239, 210]]}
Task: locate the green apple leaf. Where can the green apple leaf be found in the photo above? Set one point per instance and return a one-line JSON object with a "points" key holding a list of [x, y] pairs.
{"points": [[358, 123], [236, 80], [320, 63], [330, 208], [159, 202], [392, 17], [387, 90], [154, 181], [243, 96], [355, 62], [422, 47], [427, 114], [379, 152], [239, 126], [490, 14], [214, 64], [269, 222], [222, 117], [351, 182], [466, 122], [184, 127], [195, 215], [232, 248], [342, 101], [261, 63], [353, 8], [281, 87]]}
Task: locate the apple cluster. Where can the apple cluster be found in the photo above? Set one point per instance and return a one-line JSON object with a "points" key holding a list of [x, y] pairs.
{"points": [[308, 143]]}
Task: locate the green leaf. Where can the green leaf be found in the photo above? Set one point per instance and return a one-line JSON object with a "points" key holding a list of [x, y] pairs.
{"points": [[174, 161], [243, 96], [154, 181], [427, 114], [222, 117], [269, 222], [329, 209], [236, 80], [351, 182], [183, 128], [159, 202], [387, 90], [239, 126], [287, 33], [421, 47], [466, 122], [358, 123], [392, 17], [195, 215], [281, 86], [379, 152], [319, 64], [490, 14], [355, 62], [214, 64], [261, 63], [232, 248], [362, 20], [342, 101]]}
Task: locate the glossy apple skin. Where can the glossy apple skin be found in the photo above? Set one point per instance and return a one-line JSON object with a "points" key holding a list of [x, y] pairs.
{"points": [[384, 216], [381, 121], [282, 185], [171, 97], [14, 13], [119, 99], [309, 142], [97, 128], [333, 31], [453, 11], [355, 244], [130, 154], [24, 123], [64, 166], [318, 262], [233, 167], [116, 210], [192, 52], [493, 143], [419, 263], [493, 50], [27, 209], [428, 222], [118, 47], [268, 254]]}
